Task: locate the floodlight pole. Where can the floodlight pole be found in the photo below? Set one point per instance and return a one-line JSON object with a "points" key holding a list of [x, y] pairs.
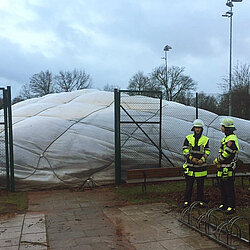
{"points": [[229, 14], [166, 49], [230, 62]]}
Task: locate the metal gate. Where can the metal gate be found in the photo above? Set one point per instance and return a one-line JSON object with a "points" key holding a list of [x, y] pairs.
{"points": [[138, 130], [6, 141]]}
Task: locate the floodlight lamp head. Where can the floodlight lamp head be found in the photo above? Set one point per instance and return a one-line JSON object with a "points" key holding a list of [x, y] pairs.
{"points": [[167, 48], [229, 4]]}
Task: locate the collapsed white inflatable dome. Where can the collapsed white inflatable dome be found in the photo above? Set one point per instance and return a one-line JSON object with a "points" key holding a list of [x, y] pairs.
{"points": [[64, 138]]}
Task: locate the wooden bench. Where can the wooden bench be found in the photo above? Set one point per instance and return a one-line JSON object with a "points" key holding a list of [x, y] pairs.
{"points": [[145, 175]]}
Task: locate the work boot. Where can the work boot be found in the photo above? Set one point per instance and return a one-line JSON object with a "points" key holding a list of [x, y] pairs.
{"points": [[230, 210], [222, 207]]}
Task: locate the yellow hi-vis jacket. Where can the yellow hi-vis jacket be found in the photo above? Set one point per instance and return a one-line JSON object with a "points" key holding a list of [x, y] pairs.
{"points": [[200, 151], [227, 156]]}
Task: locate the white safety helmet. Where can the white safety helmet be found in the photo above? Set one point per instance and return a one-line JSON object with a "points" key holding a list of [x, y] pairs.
{"points": [[227, 123], [197, 123]]}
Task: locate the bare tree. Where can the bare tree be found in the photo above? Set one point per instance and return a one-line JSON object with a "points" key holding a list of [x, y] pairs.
{"points": [[26, 92], [40, 84], [241, 75], [240, 92], [208, 102], [67, 81], [139, 82], [174, 82], [186, 98]]}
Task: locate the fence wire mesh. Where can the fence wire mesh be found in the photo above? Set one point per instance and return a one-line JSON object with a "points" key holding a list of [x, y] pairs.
{"points": [[178, 118], [140, 128], [137, 151]]}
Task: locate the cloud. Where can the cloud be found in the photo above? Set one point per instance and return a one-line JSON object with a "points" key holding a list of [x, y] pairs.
{"points": [[113, 39]]}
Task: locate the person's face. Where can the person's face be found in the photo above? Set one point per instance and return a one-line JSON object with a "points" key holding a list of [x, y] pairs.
{"points": [[197, 130], [222, 129]]}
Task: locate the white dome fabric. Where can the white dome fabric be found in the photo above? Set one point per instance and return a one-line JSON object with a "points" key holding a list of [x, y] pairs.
{"points": [[64, 138]]}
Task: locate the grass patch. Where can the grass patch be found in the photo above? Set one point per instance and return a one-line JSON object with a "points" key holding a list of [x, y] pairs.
{"points": [[13, 202], [155, 192]]}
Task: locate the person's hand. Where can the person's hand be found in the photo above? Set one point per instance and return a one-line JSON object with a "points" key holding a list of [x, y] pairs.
{"points": [[200, 162], [195, 160], [216, 163]]}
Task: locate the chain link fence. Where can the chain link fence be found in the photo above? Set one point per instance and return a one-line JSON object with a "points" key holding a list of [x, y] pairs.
{"points": [[141, 115], [140, 129], [178, 118]]}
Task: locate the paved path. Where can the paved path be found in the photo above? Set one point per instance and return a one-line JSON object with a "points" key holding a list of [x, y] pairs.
{"points": [[75, 220], [95, 220], [26, 231]]}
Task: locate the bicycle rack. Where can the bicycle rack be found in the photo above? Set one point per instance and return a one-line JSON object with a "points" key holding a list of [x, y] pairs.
{"points": [[215, 224]]}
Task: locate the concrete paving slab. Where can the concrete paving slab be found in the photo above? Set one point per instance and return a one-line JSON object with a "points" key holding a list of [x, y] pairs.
{"points": [[34, 225], [11, 248], [25, 246], [9, 242], [77, 221], [19, 232], [13, 221], [201, 242], [14, 229], [176, 244], [62, 244], [31, 215], [35, 239], [5, 235], [156, 229], [96, 219], [149, 246]]}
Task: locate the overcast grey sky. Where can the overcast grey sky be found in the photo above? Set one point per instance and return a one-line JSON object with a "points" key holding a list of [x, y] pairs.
{"points": [[113, 39]]}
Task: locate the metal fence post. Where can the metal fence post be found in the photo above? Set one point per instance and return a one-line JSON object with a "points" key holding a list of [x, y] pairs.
{"points": [[196, 104], [6, 139], [117, 97], [160, 132], [12, 177]]}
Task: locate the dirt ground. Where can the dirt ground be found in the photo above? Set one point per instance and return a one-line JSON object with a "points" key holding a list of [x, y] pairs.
{"points": [[212, 196]]}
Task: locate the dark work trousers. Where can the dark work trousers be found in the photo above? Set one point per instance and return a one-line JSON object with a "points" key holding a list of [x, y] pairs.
{"points": [[227, 192], [189, 188]]}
